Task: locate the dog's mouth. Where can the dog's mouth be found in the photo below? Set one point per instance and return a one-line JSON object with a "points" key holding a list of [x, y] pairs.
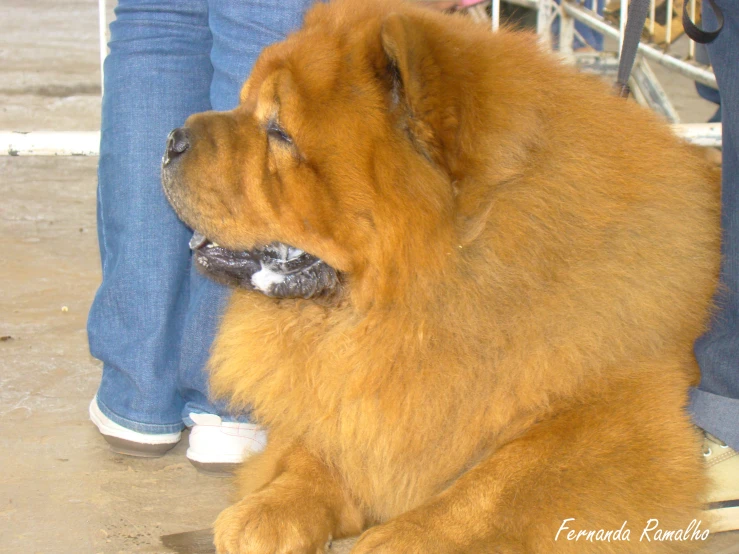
{"points": [[277, 270]]}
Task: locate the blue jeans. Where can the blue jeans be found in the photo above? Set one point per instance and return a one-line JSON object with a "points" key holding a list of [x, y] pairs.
{"points": [[715, 403], [707, 93], [154, 317]]}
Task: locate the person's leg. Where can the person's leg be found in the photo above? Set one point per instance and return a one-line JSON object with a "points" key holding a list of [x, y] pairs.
{"points": [[715, 403], [708, 93], [241, 30], [158, 72], [219, 440]]}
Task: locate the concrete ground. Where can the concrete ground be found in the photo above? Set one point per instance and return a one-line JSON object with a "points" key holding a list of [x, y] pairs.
{"points": [[61, 489]]}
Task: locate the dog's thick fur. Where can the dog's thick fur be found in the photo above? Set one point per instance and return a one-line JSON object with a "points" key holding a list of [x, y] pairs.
{"points": [[527, 261]]}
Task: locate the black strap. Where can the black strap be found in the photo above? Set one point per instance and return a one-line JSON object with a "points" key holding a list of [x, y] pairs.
{"points": [[698, 34], [637, 15]]}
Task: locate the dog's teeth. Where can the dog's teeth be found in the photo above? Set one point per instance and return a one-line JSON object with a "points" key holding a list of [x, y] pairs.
{"points": [[198, 239], [293, 252]]}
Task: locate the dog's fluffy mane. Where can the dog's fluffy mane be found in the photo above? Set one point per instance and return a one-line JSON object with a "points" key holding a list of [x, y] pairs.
{"points": [[546, 262]]}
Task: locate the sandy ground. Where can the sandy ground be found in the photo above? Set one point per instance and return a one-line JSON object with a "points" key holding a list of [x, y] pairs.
{"points": [[61, 489]]}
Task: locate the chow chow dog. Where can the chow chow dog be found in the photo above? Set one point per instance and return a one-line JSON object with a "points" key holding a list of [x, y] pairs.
{"points": [[494, 348]]}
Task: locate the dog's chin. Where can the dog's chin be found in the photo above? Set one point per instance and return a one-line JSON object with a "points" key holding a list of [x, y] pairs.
{"points": [[277, 270]]}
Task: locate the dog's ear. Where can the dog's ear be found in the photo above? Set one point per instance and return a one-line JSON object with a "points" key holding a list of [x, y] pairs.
{"points": [[417, 92], [408, 55]]}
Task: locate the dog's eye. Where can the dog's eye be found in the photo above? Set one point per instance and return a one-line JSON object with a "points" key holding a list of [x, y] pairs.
{"points": [[278, 133]]}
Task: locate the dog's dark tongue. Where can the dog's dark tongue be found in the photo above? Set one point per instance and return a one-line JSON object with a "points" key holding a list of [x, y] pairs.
{"points": [[278, 270]]}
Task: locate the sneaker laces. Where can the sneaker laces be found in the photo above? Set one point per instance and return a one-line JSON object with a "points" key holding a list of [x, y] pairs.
{"points": [[710, 442]]}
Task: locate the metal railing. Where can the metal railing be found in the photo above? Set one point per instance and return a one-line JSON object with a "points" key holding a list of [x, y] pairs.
{"points": [[647, 89]]}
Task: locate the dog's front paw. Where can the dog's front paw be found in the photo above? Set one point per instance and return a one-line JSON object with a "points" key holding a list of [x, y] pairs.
{"points": [[265, 523], [398, 536]]}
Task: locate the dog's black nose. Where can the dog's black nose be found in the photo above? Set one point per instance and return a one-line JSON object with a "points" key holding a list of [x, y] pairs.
{"points": [[178, 142]]}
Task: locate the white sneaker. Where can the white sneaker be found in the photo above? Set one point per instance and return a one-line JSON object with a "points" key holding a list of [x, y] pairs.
{"points": [[722, 464], [220, 446], [131, 443]]}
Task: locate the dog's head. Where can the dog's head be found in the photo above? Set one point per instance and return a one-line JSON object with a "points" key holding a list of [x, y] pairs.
{"points": [[344, 145]]}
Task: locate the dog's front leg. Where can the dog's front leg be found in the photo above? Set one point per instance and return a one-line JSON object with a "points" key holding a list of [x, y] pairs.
{"points": [[615, 464], [296, 512]]}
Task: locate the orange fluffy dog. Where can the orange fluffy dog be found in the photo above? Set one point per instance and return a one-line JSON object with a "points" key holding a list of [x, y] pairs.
{"points": [[506, 353]]}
